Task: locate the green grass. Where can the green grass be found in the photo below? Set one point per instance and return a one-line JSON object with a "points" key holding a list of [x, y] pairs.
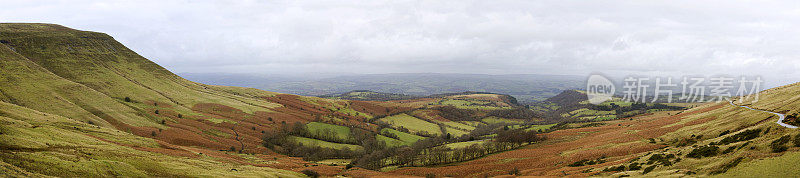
{"points": [[390, 142], [94, 72], [471, 104], [540, 127], [781, 166], [314, 142], [455, 132], [497, 120], [411, 123], [63, 147], [458, 125], [589, 112], [464, 144], [341, 132], [405, 137], [472, 123]]}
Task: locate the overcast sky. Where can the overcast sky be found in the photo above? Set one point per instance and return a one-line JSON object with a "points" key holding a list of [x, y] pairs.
{"points": [[489, 37]]}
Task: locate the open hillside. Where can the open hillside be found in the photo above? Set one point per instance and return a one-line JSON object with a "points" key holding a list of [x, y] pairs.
{"points": [[111, 102], [574, 105], [89, 78], [80, 104], [716, 139]]}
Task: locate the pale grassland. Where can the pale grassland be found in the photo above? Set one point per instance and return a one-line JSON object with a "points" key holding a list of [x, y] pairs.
{"points": [[411, 123], [39, 143]]}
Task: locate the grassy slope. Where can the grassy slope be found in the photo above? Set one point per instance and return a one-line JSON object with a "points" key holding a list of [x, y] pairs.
{"points": [[390, 142], [405, 137], [37, 143], [85, 76], [324, 144], [27, 84], [342, 132], [97, 61], [411, 123], [758, 161]]}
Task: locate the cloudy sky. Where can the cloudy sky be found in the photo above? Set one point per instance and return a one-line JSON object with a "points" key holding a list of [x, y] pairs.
{"points": [[488, 37]]}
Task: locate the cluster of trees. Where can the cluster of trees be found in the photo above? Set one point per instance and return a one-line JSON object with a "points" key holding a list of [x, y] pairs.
{"points": [[280, 141], [430, 152], [376, 154]]}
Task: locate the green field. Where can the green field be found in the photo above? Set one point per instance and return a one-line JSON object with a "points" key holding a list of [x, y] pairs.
{"points": [[318, 128], [324, 144], [540, 127], [497, 120], [405, 137], [470, 104], [411, 123], [464, 144], [458, 125], [455, 132], [390, 142]]}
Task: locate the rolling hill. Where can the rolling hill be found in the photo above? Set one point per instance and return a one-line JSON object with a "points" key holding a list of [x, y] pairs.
{"points": [[110, 103], [80, 104], [528, 88]]}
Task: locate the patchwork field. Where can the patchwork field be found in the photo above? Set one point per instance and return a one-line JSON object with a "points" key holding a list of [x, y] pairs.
{"points": [[318, 128], [314, 142], [411, 123], [405, 137]]}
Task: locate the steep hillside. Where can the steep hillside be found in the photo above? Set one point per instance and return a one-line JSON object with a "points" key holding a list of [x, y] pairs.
{"points": [[90, 78], [111, 103]]}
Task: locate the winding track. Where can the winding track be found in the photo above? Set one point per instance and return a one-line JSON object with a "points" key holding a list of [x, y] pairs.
{"points": [[780, 121]]}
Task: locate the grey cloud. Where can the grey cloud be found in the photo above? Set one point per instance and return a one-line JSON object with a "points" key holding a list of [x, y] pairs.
{"points": [[496, 37]]}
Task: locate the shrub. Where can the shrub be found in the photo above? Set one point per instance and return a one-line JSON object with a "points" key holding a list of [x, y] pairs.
{"points": [[310, 173], [727, 166], [729, 149], [514, 171], [348, 166], [726, 132], [634, 166], [779, 145], [578, 163], [649, 169], [703, 151], [796, 140], [615, 168], [741, 136], [661, 158], [180, 115]]}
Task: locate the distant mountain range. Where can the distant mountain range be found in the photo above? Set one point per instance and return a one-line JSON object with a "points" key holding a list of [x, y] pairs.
{"points": [[527, 88]]}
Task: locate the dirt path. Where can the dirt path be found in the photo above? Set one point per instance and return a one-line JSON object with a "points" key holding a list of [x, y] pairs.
{"points": [[780, 121]]}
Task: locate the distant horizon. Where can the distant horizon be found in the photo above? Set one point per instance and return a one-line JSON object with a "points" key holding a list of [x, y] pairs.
{"points": [[657, 38]]}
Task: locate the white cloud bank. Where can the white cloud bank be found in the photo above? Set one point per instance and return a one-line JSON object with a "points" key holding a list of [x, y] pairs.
{"points": [[494, 37]]}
